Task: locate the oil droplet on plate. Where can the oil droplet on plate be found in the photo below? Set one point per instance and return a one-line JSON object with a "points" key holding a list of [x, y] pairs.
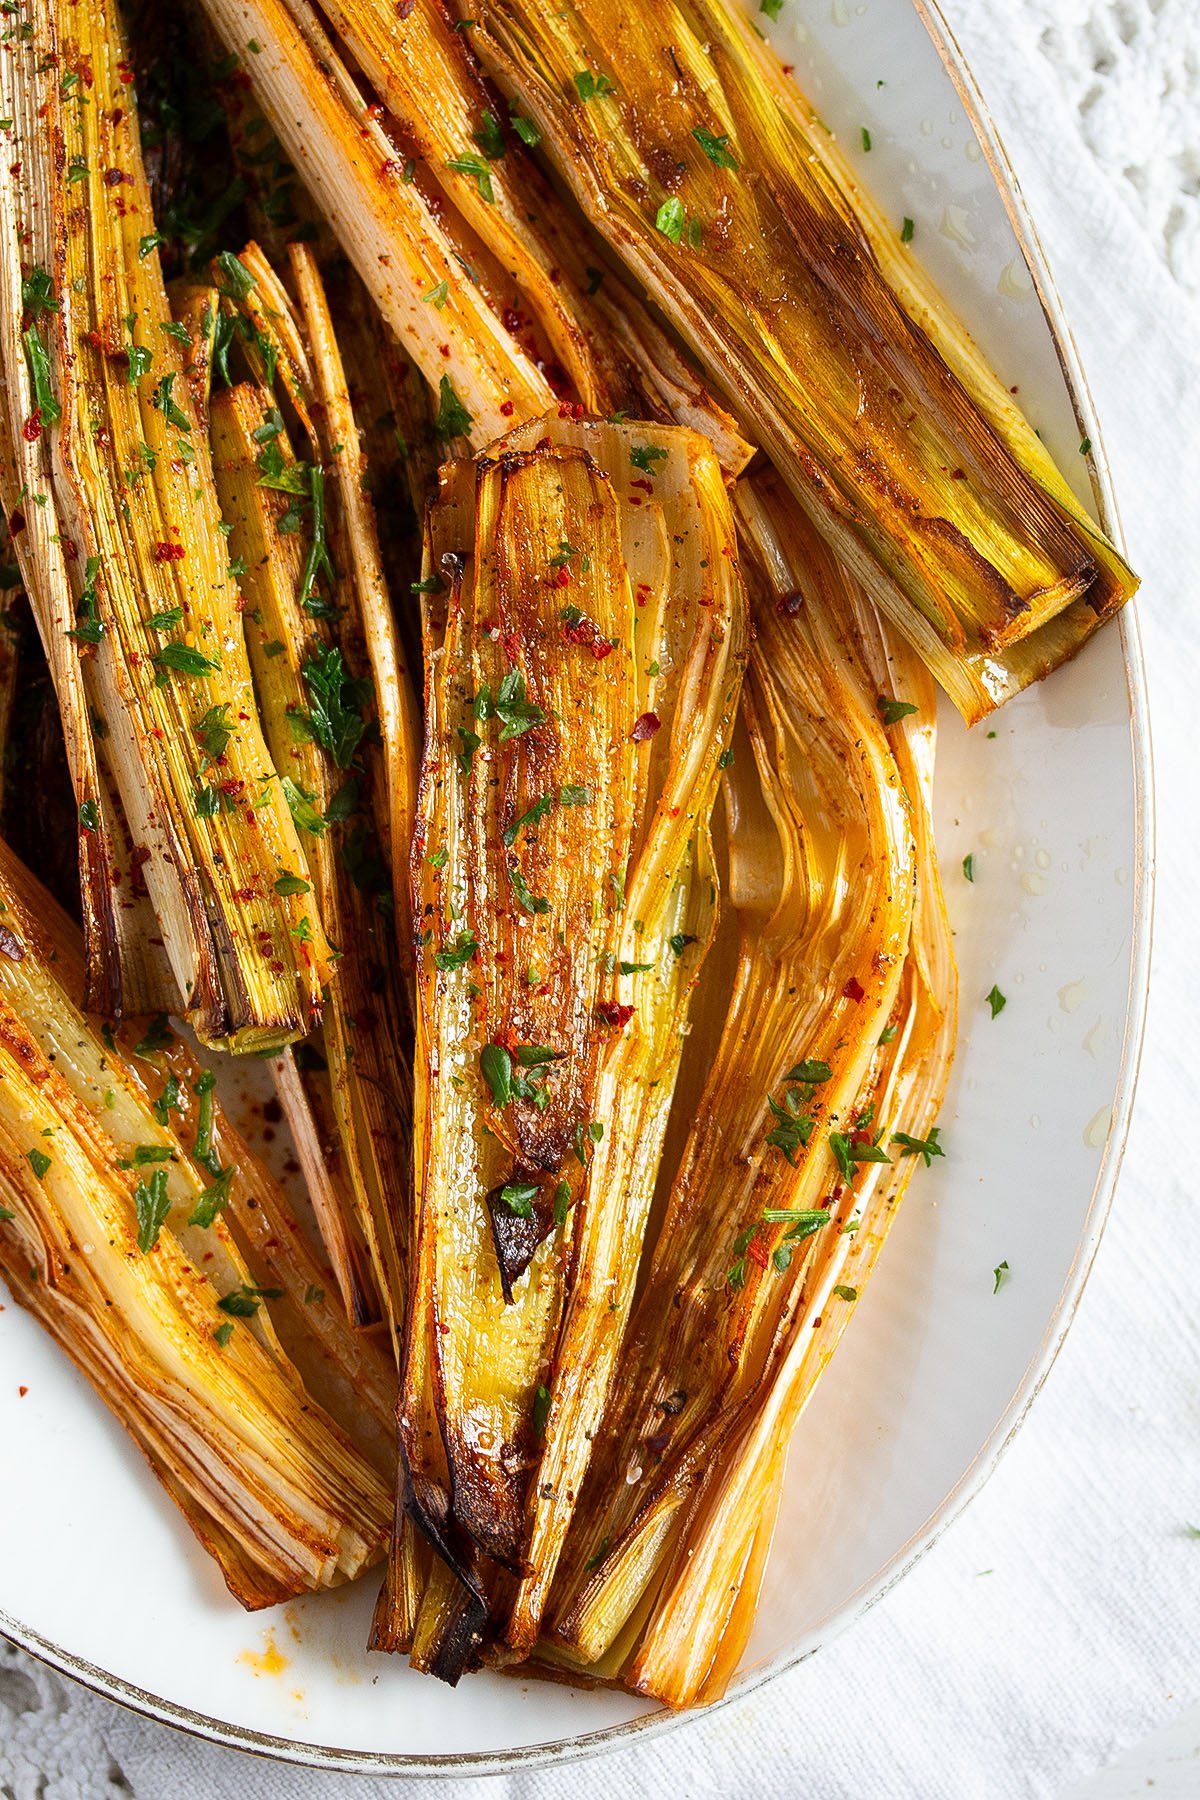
{"points": [[1094, 1038], [1096, 1131], [971, 150], [1014, 282], [1033, 883], [268, 1661], [1071, 995], [956, 225]]}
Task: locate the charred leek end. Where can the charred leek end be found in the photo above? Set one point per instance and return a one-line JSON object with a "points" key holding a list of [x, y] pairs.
{"points": [[318, 609], [177, 1281], [838, 1040], [397, 241], [720, 190], [585, 641], [131, 502]]}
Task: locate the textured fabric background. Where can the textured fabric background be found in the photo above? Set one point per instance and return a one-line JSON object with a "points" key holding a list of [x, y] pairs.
{"points": [[1087, 1632]]}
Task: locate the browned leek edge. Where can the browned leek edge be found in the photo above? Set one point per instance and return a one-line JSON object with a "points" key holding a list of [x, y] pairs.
{"points": [[318, 612], [765, 1245], [126, 567], [470, 256], [166, 1261], [585, 641]]}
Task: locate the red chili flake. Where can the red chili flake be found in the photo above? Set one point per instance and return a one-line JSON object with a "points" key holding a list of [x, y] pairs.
{"points": [[374, 111], [565, 409], [958, 474], [511, 319], [635, 500], [114, 177], [507, 409], [854, 990], [16, 523], [639, 481], [543, 443], [70, 549], [169, 553], [404, 8], [14, 168], [860, 1137], [275, 966], [756, 1250], [445, 349], [602, 648], [790, 604], [31, 430], [645, 727], [562, 577], [22, 1391], [613, 1013], [393, 166]]}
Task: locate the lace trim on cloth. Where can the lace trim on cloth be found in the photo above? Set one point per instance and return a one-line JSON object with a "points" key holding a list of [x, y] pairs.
{"points": [[52, 1736], [1130, 70]]}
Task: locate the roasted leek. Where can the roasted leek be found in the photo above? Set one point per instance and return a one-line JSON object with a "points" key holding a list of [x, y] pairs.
{"points": [[585, 645], [107, 475], [833, 1060], [166, 1262], [705, 171]]}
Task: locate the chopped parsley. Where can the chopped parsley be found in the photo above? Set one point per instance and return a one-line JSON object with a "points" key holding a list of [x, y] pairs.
{"points": [[184, 659], [1000, 1275], [892, 711], [515, 711], [996, 1000], [164, 402], [335, 719], [518, 1197], [928, 1147], [476, 167], [458, 954], [592, 87], [38, 1161], [527, 901], [37, 358], [969, 866], [159, 1036], [152, 1203], [212, 1200], [289, 884], [644, 457], [244, 1302], [490, 136], [37, 294], [716, 148], [907, 232], [453, 418]]}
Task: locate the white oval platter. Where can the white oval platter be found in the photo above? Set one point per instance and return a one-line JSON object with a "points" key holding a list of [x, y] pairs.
{"points": [[99, 1575]]}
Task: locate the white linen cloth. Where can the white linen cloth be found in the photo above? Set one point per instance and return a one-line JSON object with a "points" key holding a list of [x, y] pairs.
{"points": [[1087, 1632]]}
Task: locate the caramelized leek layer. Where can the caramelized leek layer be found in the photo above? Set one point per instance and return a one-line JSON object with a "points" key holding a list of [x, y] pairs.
{"points": [[584, 662], [706, 172], [838, 1037], [317, 612], [128, 547], [175, 1279]]}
